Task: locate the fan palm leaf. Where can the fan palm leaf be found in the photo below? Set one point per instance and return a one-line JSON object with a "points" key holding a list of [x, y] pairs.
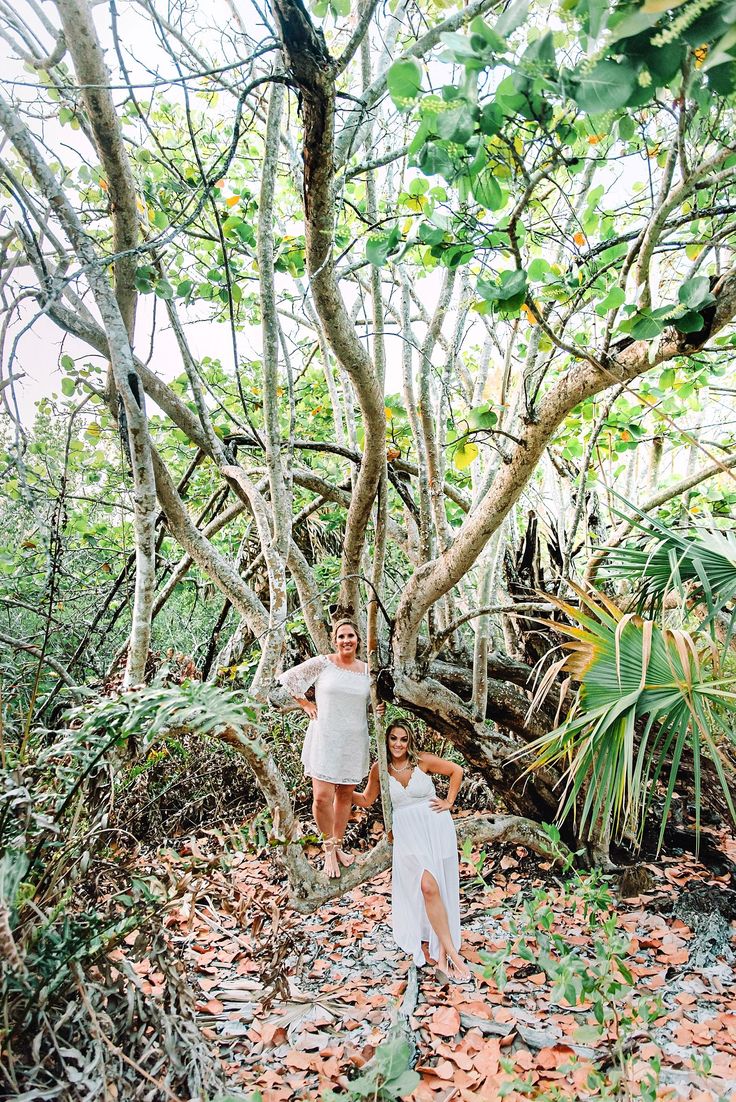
{"points": [[699, 564], [646, 694]]}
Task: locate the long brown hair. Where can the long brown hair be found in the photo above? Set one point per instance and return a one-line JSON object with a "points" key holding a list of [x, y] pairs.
{"points": [[411, 747]]}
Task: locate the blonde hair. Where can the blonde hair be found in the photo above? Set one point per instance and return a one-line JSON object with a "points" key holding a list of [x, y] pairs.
{"points": [[341, 624], [411, 747]]}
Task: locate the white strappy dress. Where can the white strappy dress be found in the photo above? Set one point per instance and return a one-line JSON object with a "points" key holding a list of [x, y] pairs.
{"points": [[423, 839], [336, 744]]}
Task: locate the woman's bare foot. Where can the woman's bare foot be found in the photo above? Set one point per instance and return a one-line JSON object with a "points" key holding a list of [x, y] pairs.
{"points": [[345, 859], [331, 865], [454, 967]]}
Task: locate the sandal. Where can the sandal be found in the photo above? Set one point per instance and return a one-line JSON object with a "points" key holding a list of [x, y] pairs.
{"points": [[331, 865]]}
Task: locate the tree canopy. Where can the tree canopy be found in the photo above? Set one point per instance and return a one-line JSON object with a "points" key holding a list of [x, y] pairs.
{"points": [[403, 311]]}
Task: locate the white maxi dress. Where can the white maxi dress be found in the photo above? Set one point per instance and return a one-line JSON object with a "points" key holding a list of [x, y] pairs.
{"points": [[423, 840], [336, 744]]}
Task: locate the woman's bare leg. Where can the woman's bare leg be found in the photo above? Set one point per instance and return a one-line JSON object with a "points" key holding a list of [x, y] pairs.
{"points": [[450, 960], [323, 809], [342, 807]]}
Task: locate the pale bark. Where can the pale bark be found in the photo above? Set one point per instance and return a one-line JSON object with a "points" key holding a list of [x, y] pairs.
{"points": [[94, 78], [126, 382], [313, 70], [48, 659], [581, 381], [274, 523], [206, 556], [425, 536]]}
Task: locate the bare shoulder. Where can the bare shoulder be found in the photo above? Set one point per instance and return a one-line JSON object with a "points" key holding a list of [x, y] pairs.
{"points": [[430, 763]]}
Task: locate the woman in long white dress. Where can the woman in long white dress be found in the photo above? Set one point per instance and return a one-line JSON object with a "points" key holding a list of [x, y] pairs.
{"points": [[335, 753], [425, 891]]}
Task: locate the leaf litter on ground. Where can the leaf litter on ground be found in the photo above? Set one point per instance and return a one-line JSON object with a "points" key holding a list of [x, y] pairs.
{"points": [[301, 1005]]}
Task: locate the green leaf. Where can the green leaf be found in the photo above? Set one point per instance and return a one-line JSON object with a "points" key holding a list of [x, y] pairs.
{"points": [[429, 234], [404, 82], [379, 247], [512, 18], [643, 327], [487, 190], [626, 128], [610, 84], [491, 119], [405, 1083], [691, 322], [491, 37], [164, 289], [67, 362], [434, 160], [340, 7], [615, 298], [695, 293], [457, 124], [68, 386]]}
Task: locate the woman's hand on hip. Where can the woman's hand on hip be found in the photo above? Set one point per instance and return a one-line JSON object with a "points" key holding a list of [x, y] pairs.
{"points": [[439, 805], [310, 708]]}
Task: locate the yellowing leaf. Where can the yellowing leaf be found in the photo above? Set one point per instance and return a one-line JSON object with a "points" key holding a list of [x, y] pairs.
{"points": [[389, 414], [661, 5], [529, 314], [464, 455], [518, 145], [579, 238], [104, 184], [232, 201], [594, 139]]}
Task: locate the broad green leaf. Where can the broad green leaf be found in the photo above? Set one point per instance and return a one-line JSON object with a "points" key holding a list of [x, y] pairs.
{"points": [[512, 18], [691, 322], [492, 38], [491, 119], [434, 160], [608, 85], [615, 298], [695, 293], [68, 386], [538, 269], [404, 82], [429, 234], [457, 124], [487, 190], [164, 289], [626, 128]]}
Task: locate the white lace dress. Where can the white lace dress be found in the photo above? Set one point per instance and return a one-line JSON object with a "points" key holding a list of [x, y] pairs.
{"points": [[336, 744], [423, 839]]}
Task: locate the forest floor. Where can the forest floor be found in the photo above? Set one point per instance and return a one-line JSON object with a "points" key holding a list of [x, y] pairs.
{"points": [[600, 997]]}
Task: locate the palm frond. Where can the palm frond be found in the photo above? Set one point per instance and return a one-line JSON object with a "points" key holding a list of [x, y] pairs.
{"points": [[699, 565], [646, 695]]}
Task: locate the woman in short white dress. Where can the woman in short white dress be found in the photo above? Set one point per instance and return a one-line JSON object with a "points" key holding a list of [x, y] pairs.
{"points": [[425, 891], [335, 753]]}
